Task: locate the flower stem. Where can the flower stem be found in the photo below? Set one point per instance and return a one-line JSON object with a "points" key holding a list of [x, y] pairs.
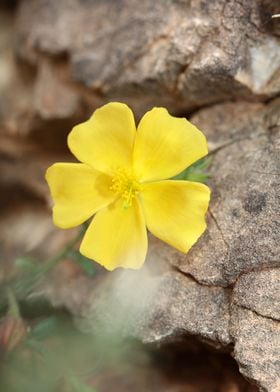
{"points": [[23, 286]]}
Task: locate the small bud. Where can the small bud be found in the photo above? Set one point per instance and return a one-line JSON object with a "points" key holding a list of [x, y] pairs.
{"points": [[12, 332]]}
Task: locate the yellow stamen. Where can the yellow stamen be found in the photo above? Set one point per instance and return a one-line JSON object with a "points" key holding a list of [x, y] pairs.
{"points": [[125, 185]]}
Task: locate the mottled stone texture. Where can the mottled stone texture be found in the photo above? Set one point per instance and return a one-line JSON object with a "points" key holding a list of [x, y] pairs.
{"points": [[152, 47], [263, 294], [180, 54], [244, 225], [216, 61], [256, 347]]}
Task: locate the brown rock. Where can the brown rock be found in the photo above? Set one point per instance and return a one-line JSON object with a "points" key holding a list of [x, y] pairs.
{"points": [[161, 307], [259, 291], [163, 52], [243, 230], [257, 347]]}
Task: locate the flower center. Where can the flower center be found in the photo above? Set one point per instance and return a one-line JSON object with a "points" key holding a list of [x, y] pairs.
{"points": [[125, 185]]}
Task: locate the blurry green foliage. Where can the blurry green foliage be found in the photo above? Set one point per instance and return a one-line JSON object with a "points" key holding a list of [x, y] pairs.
{"points": [[44, 328], [54, 353], [78, 386], [53, 356], [26, 264]]}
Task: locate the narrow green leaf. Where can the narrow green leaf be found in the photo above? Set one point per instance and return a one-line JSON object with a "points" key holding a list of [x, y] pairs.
{"points": [[44, 328], [196, 172], [86, 264], [25, 263]]}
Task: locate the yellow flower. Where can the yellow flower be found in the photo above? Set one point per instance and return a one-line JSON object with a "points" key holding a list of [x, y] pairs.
{"points": [[122, 180]]}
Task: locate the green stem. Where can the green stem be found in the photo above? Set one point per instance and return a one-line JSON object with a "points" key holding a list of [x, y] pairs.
{"points": [[13, 304], [24, 286], [50, 263]]}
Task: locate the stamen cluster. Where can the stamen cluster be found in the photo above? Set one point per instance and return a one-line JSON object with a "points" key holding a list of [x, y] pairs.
{"points": [[125, 185]]}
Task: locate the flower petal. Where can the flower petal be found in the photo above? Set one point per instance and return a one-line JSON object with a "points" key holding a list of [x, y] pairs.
{"points": [[165, 145], [175, 211], [117, 237], [78, 192], [106, 140]]}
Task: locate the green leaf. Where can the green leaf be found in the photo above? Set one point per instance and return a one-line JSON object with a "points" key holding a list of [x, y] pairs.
{"points": [[86, 264], [26, 264], [44, 328], [197, 172]]}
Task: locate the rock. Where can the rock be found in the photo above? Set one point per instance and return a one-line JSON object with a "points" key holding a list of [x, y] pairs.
{"points": [[256, 348], [243, 230], [163, 52], [157, 308], [20, 212], [53, 99], [259, 291], [180, 369]]}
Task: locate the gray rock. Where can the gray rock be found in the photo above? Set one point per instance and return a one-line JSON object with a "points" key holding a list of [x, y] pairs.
{"points": [[161, 51], [257, 347], [244, 215], [259, 291], [157, 308]]}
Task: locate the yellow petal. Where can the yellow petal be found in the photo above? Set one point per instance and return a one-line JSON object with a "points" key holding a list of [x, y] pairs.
{"points": [[78, 191], [175, 211], [117, 237], [106, 140], [165, 145]]}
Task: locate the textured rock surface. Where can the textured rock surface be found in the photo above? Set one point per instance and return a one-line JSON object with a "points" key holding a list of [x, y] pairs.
{"points": [[244, 225], [219, 60], [157, 308], [172, 47], [161, 51], [259, 291], [256, 347]]}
